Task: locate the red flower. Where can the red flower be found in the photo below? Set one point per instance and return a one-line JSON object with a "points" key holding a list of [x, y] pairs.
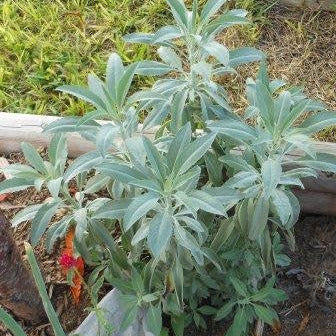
{"points": [[67, 261]]}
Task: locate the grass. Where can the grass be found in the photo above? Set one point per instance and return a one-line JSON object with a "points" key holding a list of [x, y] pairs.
{"points": [[48, 43]]}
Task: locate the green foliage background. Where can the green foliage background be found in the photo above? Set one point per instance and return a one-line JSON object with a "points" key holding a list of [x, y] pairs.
{"points": [[48, 43]]}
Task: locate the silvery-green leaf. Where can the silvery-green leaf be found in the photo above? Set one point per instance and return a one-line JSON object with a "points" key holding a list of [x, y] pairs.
{"points": [[185, 238], [318, 122], [302, 106], [224, 21], [82, 164], [178, 281], [154, 319], [157, 115], [179, 11], [210, 8], [136, 150], [180, 141], [270, 171], [169, 56], [26, 214], [237, 162], [21, 171], [234, 129], [203, 200], [96, 183], [114, 209], [224, 232], [282, 106], [160, 231], [217, 50], [141, 234], [288, 180], [84, 94], [276, 84], [165, 34], [15, 184], [226, 196], [303, 142], [282, 205], [259, 218], [54, 186], [33, 157], [296, 208], [203, 68], [152, 68], [91, 116], [168, 86], [213, 257], [125, 83], [193, 152], [191, 223], [57, 230], [156, 160], [149, 185], [188, 180], [178, 116], [242, 179], [70, 124], [58, 152], [114, 72], [252, 192], [121, 172], [138, 208], [96, 85], [80, 217], [266, 314], [324, 162], [222, 70], [139, 38], [146, 95], [300, 172], [214, 168], [97, 203], [183, 198], [265, 104], [104, 235], [41, 221], [244, 55], [115, 189]]}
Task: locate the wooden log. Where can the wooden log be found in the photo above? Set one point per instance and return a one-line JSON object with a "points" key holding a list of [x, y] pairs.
{"points": [[329, 5], [16, 128], [315, 202], [18, 292]]}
